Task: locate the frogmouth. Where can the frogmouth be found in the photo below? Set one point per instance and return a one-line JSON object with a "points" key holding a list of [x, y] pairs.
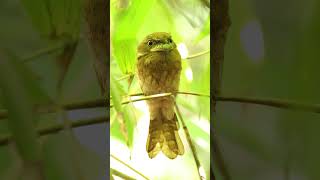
{"points": [[159, 68]]}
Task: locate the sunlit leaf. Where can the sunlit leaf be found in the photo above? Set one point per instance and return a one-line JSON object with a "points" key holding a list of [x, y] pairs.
{"points": [[124, 38], [205, 31]]}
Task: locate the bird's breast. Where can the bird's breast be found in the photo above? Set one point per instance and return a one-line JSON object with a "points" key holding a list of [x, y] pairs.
{"points": [[159, 72]]}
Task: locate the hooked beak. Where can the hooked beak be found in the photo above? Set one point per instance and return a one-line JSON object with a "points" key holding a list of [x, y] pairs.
{"points": [[162, 47]]}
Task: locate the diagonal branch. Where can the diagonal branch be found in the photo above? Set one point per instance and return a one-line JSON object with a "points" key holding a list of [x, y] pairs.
{"points": [[120, 174], [315, 108], [198, 54], [58, 127], [192, 146], [136, 171]]}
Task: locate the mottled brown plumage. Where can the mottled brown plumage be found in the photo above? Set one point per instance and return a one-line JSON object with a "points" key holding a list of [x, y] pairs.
{"points": [[159, 68]]}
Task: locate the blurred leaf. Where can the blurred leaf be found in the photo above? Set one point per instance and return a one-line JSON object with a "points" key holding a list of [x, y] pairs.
{"points": [[127, 25], [124, 116], [40, 16], [19, 101], [11, 162], [55, 18], [116, 94], [65, 17], [205, 31], [125, 54], [66, 159]]}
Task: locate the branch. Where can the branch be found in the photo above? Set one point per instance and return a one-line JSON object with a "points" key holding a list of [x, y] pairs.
{"points": [[315, 108], [192, 146], [157, 96], [127, 76], [120, 174], [41, 52], [198, 54], [58, 127], [69, 106], [136, 171], [101, 102]]}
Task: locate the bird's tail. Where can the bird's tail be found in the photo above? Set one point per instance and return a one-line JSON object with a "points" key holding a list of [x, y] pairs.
{"points": [[163, 135]]}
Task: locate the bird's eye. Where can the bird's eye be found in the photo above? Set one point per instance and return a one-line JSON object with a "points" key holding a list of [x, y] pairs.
{"points": [[150, 43], [170, 40]]}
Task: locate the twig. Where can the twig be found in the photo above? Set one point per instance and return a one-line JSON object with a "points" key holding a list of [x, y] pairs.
{"points": [[41, 52], [58, 127], [192, 146], [136, 171], [315, 108], [120, 174], [180, 92], [146, 98], [70, 106], [273, 102], [157, 96], [198, 54], [96, 103], [127, 76]]}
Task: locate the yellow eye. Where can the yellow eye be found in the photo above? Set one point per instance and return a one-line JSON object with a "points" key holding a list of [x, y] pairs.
{"points": [[170, 40], [150, 43]]}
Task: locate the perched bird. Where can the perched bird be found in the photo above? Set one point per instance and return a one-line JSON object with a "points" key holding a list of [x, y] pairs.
{"points": [[159, 68]]}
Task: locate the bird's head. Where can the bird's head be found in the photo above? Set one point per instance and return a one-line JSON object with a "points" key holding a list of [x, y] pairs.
{"points": [[156, 42]]}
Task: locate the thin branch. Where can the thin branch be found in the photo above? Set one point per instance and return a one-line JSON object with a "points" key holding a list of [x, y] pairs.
{"points": [[277, 103], [180, 92], [158, 96], [101, 102], [58, 127], [136, 171], [192, 146], [146, 98], [198, 54], [120, 174], [69, 106], [315, 108], [41, 52], [127, 76]]}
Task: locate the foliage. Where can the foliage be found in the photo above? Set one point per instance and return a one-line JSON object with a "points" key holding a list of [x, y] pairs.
{"points": [[130, 22], [28, 85]]}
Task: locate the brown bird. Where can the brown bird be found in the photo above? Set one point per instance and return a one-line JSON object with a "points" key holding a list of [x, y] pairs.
{"points": [[159, 68]]}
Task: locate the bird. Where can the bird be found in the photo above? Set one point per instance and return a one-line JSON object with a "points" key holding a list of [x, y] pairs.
{"points": [[158, 69]]}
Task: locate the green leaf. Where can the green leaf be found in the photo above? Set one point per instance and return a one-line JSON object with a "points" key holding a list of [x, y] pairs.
{"points": [[40, 16], [127, 25], [125, 117], [115, 90], [65, 17], [205, 31], [19, 100], [55, 18]]}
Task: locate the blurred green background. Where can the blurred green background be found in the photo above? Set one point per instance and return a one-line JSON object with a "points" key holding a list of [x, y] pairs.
{"points": [[272, 51], [188, 22], [38, 31]]}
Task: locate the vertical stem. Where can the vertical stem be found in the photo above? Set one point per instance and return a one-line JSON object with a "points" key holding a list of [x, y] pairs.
{"points": [[220, 26], [192, 146]]}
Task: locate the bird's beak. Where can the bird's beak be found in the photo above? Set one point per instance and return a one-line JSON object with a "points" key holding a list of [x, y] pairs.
{"points": [[163, 47]]}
